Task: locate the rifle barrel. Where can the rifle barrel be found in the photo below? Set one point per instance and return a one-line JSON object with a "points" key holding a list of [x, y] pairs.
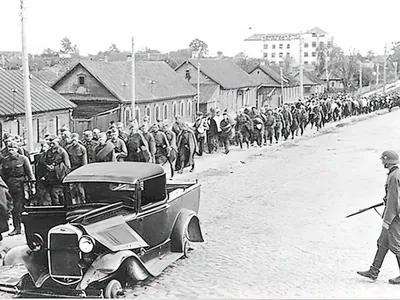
{"points": [[365, 209]]}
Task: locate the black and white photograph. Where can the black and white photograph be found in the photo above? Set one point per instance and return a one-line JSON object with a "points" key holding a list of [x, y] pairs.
{"points": [[173, 149]]}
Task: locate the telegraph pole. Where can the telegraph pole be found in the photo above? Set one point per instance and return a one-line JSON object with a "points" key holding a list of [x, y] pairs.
{"points": [[384, 72], [283, 100], [377, 75], [301, 68], [395, 71], [27, 84], [360, 77], [198, 86], [133, 109], [326, 70]]}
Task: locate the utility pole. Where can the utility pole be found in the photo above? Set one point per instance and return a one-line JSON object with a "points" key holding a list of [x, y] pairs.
{"points": [[395, 71], [384, 72], [133, 109], [326, 70], [198, 86], [377, 75], [301, 68], [27, 84], [360, 78], [282, 99]]}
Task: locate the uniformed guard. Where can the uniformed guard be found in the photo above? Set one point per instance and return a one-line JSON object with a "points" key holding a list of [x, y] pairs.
{"points": [[119, 145], [58, 166], [150, 141], [90, 145], [16, 171], [138, 148], [390, 234], [270, 127]]}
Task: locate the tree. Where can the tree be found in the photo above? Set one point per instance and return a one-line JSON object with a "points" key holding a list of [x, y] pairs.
{"points": [[199, 46], [175, 58], [246, 63], [49, 53], [113, 48], [67, 47], [287, 64]]}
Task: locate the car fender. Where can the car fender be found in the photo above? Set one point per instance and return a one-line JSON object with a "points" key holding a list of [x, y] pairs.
{"points": [[187, 225], [33, 262], [106, 265]]}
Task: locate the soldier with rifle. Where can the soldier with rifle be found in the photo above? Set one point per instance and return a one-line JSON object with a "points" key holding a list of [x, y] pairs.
{"points": [[390, 234]]}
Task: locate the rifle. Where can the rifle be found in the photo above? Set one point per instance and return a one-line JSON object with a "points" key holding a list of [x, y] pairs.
{"points": [[365, 209]]}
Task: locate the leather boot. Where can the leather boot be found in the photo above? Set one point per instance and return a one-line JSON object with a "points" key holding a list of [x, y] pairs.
{"points": [[15, 232], [373, 271], [397, 279]]}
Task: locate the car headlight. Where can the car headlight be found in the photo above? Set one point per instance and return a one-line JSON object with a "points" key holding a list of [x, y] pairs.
{"points": [[36, 242], [86, 244]]}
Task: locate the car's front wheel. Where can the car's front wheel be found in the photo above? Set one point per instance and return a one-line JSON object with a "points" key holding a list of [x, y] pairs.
{"points": [[114, 290]]}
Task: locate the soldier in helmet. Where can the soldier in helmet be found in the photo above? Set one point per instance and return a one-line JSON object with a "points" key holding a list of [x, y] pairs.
{"points": [[390, 234]]}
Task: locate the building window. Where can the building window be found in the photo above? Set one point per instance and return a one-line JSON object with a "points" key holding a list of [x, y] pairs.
{"points": [[147, 112], [305, 45], [313, 63], [280, 54], [321, 44], [306, 62], [313, 54], [280, 46], [305, 54], [157, 113], [174, 110], [314, 44], [332, 83], [287, 54], [137, 117], [37, 130], [265, 54], [181, 109], [189, 108], [165, 111], [273, 46], [81, 80], [265, 46], [127, 115], [273, 55], [288, 46]]}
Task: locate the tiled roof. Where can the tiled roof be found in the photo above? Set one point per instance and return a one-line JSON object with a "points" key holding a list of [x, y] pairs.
{"points": [[43, 98], [276, 76], [49, 77], [224, 72], [207, 91], [154, 80], [308, 78]]}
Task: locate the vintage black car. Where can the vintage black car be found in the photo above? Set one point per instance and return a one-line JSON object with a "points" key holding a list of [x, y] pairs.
{"points": [[129, 225]]}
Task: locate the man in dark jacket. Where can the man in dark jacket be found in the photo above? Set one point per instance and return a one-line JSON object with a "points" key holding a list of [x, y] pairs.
{"points": [[6, 206], [16, 171], [186, 148]]}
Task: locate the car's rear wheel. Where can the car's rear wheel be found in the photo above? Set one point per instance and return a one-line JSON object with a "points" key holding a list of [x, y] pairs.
{"points": [[114, 290]]}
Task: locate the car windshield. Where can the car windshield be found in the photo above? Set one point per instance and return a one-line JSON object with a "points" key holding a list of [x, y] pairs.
{"points": [[103, 192]]}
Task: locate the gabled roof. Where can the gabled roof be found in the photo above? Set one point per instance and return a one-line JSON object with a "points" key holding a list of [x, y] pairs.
{"points": [[271, 72], [316, 30], [48, 77], [155, 80], [308, 78], [224, 72], [207, 91], [43, 98]]}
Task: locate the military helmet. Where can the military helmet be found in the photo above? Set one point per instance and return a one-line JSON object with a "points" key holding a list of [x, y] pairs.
{"points": [[390, 157]]}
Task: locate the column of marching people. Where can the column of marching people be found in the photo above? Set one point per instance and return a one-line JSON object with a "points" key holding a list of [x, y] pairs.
{"points": [[173, 146]]}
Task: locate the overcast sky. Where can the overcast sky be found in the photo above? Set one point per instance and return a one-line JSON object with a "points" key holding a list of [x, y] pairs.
{"points": [[169, 25]]}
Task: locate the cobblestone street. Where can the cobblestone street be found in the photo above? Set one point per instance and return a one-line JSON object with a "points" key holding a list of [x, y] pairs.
{"points": [[275, 224], [274, 219]]}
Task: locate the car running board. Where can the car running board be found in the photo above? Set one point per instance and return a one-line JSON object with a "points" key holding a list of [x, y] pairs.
{"points": [[156, 265]]}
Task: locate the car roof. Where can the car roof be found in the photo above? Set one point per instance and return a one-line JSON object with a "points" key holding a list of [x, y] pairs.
{"points": [[115, 172]]}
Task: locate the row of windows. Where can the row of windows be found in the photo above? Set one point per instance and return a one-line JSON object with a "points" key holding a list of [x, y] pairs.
{"points": [[161, 112], [274, 55], [306, 45], [274, 46], [313, 54]]}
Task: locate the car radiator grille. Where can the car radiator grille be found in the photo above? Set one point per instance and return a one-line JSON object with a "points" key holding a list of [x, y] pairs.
{"points": [[64, 255]]}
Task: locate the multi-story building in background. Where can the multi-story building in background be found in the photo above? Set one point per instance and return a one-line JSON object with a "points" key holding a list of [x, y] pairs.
{"points": [[276, 47]]}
